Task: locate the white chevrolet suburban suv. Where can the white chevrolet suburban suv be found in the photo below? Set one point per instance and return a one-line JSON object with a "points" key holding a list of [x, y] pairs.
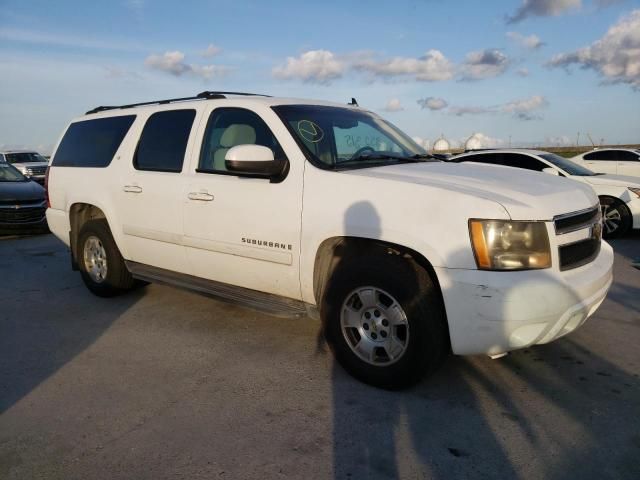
{"points": [[311, 208]]}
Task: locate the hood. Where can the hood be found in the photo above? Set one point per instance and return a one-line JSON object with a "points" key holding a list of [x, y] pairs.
{"points": [[614, 180], [525, 195], [21, 192]]}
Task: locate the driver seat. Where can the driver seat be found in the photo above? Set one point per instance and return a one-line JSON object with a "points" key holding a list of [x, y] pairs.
{"points": [[234, 135]]}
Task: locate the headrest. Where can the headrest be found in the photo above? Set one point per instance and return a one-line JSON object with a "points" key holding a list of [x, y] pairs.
{"points": [[238, 134]]}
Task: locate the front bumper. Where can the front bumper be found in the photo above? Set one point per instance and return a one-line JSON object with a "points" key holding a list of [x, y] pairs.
{"points": [[495, 312], [634, 208], [26, 219]]}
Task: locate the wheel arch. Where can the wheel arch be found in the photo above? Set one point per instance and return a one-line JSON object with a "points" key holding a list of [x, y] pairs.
{"points": [[332, 250], [79, 214]]}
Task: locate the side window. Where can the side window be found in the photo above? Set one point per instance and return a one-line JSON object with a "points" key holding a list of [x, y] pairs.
{"points": [[625, 156], [492, 158], [228, 128], [523, 161], [163, 142], [601, 155], [92, 143]]}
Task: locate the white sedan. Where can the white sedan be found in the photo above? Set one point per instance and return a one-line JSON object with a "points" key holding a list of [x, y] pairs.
{"points": [[619, 195], [619, 161]]}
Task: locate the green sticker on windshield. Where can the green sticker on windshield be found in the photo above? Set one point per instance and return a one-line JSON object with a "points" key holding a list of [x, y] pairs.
{"points": [[310, 131]]}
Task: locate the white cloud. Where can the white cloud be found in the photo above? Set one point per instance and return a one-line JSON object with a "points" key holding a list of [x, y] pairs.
{"points": [[522, 72], [469, 110], [424, 143], [433, 66], [314, 66], [480, 140], [559, 141], [523, 109], [543, 8], [173, 63], [393, 105], [38, 37], [616, 56], [531, 42], [211, 51], [433, 103], [484, 64]]}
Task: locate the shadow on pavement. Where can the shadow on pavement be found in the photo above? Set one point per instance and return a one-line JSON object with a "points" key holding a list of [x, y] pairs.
{"points": [[39, 332]]}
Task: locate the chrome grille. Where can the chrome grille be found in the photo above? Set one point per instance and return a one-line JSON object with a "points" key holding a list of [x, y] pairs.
{"points": [[571, 222], [577, 253], [41, 170]]}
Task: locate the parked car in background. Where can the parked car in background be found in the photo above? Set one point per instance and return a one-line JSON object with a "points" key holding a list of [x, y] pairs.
{"points": [[31, 164], [619, 195], [619, 161], [22, 203]]}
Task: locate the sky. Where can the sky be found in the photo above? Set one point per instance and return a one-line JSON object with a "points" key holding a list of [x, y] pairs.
{"points": [[520, 72]]}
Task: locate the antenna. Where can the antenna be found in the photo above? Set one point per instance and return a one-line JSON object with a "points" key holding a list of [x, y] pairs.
{"points": [[354, 102]]}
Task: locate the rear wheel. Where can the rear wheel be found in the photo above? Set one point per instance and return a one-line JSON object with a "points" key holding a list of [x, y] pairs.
{"points": [[616, 217], [101, 265], [384, 320]]}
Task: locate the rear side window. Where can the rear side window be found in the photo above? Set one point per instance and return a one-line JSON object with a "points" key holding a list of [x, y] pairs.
{"points": [[602, 155], [163, 142], [92, 143], [626, 156]]}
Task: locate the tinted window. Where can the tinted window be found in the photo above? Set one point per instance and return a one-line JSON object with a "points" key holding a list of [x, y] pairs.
{"points": [[508, 160], [92, 143], [230, 127], [626, 156], [522, 161], [602, 155], [163, 142]]}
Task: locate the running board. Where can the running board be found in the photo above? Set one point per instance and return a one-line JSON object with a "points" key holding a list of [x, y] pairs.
{"points": [[264, 302]]}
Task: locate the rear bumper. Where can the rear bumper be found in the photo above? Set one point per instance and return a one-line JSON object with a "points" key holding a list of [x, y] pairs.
{"points": [[59, 224], [495, 312]]}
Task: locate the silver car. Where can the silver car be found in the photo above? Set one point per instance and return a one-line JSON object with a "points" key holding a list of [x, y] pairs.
{"points": [[30, 164]]}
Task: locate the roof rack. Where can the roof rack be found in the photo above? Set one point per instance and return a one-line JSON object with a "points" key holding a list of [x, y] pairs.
{"points": [[206, 95]]}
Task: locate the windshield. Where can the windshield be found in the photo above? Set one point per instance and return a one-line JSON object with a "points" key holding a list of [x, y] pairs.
{"points": [[9, 173], [340, 138], [24, 157], [567, 165]]}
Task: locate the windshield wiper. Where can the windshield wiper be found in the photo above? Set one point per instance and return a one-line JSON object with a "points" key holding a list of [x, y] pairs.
{"points": [[428, 156]]}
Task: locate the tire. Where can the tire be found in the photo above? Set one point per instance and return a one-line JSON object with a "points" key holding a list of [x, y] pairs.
{"points": [[422, 332], [100, 263], [616, 217]]}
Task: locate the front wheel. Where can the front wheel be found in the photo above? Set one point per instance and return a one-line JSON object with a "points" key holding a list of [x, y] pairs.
{"points": [[616, 217], [101, 265], [384, 320]]}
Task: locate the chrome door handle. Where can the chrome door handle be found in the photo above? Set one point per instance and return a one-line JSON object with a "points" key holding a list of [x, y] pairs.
{"points": [[132, 189], [201, 196]]}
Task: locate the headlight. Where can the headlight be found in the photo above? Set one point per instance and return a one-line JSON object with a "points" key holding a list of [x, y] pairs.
{"points": [[635, 190], [510, 245]]}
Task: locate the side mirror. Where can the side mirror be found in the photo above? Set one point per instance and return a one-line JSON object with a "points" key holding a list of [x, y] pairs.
{"points": [[551, 171], [253, 160]]}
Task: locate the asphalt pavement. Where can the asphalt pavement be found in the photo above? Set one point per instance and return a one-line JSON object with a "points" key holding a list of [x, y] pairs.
{"points": [[163, 383]]}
